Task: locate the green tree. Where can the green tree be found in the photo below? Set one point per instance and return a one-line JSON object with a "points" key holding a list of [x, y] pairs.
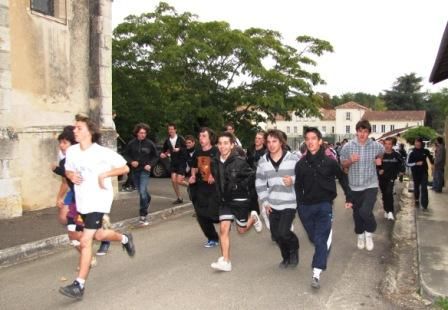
{"points": [[427, 133], [168, 66], [405, 94], [437, 107], [367, 100]]}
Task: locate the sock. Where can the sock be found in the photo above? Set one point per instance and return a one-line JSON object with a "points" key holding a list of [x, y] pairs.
{"points": [[124, 239], [81, 282], [316, 273], [368, 234]]}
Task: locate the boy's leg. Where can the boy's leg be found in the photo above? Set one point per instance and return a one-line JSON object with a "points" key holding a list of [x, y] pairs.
{"points": [[389, 197], [287, 240], [306, 216], [224, 239], [366, 209], [86, 253], [417, 182], [424, 191], [322, 229], [175, 184]]}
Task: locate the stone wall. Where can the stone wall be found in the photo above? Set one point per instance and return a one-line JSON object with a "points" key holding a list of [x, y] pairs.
{"points": [[50, 69]]}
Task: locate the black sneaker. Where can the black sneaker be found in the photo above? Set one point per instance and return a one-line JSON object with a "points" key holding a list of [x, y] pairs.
{"points": [[73, 290], [178, 201], [129, 246], [315, 283], [293, 258], [104, 247]]}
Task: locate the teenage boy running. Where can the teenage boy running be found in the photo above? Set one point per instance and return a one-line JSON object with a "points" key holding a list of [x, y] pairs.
{"points": [[174, 147], [275, 188], [90, 167], [202, 183], [316, 189], [361, 156], [234, 181], [392, 166]]}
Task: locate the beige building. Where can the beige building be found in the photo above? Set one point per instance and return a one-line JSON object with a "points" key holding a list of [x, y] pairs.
{"points": [[341, 122], [55, 62]]}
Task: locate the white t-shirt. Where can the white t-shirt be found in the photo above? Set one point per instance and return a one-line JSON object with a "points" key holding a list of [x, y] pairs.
{"points": [[90, 164], [173, 141]]}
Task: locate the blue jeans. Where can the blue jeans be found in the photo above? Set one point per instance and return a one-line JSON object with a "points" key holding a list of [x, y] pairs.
{"points": [[317, 220], [141, 181], [438, 179]]}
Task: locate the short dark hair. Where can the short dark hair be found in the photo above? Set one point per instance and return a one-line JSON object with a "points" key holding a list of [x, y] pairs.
{"points": [[314, 130], [139, 127], [91, 126], [278, 134], [171, 125], [190, 138], [363, 124], [226, 134], [391, 139], [261, 132], [439, 140], [229, 124], [67, 134], [211, 134]]}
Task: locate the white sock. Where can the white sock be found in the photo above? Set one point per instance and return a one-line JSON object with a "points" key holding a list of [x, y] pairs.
{"points": [[81, 282], [316, 273], [368, 234], [124, 239]]}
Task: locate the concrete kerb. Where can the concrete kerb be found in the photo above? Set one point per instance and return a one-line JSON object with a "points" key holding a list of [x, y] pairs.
{"points": [[33, 250], [402, 282]]}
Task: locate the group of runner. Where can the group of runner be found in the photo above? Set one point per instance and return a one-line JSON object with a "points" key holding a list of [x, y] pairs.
{"points": [[228, 184]]}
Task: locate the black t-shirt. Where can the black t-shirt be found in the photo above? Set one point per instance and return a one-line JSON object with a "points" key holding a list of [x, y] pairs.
{"points": [[203, 162]]}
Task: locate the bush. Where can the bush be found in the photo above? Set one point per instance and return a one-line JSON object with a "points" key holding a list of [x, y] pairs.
{"points": [[426, 133]]}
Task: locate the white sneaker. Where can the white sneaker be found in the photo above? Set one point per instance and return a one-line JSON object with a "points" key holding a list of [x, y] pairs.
{"points": [[222, 265], [258, 225], [361, 241], [369, 241], [390, 216], [386, 215]]}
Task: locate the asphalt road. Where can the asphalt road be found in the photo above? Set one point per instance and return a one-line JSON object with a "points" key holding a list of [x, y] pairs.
{"points": [[171, 270]]}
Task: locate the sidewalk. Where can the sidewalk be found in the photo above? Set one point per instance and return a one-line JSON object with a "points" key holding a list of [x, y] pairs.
{"points": [[432, 238], [38, 233]]}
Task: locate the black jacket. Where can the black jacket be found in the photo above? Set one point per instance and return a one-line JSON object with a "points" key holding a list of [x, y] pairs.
{"points": [[143, 151], [315, 179], [392, 165], [253, 156], [417, 155], [234, 178], [176, 157]]}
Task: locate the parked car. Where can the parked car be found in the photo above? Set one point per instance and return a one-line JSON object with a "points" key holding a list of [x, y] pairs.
{"points": [[161, 168]]}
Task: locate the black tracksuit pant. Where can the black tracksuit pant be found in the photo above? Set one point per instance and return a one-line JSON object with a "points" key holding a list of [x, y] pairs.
{"points": [[387, 191], [421, 188], [280, 222], [363, 203]]}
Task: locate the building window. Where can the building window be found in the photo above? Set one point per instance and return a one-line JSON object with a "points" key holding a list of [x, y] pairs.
{"points": [[288, 129], [332, 129], [324, 129], [347, 129], [392, 127], [53, 8], [373, 128], [348, 116], [383, 128], [295, 129]]}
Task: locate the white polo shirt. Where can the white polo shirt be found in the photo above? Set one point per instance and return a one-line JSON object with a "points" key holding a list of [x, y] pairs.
{"points": [[90, 163]]}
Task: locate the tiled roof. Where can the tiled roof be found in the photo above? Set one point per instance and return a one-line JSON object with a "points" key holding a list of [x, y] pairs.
{"points": [[328, 115], [394, 132], [395, 115], [351, 105]]}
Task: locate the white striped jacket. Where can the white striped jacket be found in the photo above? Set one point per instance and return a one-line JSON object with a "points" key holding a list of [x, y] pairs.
{"points": [[269, 183]]}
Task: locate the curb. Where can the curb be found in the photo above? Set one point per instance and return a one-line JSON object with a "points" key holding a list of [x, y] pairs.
{"points": [[36, 249]]}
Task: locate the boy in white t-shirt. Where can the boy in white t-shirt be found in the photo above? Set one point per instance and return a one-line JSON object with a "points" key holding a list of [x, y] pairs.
{"points": [[90, 167]]}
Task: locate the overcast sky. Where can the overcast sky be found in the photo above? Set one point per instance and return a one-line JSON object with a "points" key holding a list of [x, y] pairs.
{"points": [[374, 41]]}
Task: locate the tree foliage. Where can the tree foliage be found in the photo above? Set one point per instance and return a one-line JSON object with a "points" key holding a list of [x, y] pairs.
{"points": [[427, 133], [405, 94], [171, 67]]}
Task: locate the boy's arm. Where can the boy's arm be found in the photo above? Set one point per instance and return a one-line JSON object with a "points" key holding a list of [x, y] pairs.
{"points": [[343, 180], [112, 173]]}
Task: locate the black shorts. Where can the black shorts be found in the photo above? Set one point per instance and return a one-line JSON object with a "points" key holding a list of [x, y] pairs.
{"points": [[93, 220], [235, 210], [178, 168]]}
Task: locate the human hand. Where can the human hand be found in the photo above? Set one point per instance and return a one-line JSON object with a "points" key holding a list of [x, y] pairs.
{"points": [[101, 178], [53, 166], [348, 205], [354, 157], [287, 180], [211, 179], [192, 179], [268, 209], [76, 178], [378, 161], [162, 155]]}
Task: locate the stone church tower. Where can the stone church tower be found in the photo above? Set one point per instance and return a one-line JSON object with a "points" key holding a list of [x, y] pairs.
{"points": [[55, 62]]}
